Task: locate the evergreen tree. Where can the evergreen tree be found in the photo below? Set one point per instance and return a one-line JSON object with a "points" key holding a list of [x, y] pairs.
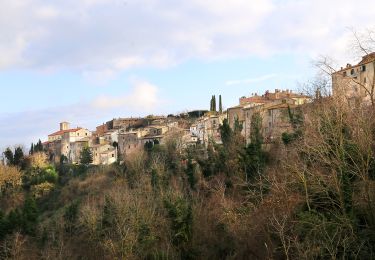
{"points": [[255, 158], [220, 105], [86, 156], [225, 132], [38, 147], [190, 171], [32, 149], [29, 216], [18, 156], [9, 156], [214, 104], [237, 126]]}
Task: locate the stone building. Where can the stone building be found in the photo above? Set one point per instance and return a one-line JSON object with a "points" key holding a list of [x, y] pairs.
{"points": [[128, 143], [273, 110], [61, 142], [103, 154], [274, 116], [356, 83]]}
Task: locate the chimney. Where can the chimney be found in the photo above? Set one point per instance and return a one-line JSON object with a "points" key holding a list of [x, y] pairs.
{"points": [[64, 126], [348, 65], [276, 91]]}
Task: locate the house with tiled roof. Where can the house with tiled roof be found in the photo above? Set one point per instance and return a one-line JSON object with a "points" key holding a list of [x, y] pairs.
{"points": [[67, 142]]}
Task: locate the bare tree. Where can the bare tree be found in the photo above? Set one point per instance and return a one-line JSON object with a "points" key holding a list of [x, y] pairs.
{"points": [[363, 45]]}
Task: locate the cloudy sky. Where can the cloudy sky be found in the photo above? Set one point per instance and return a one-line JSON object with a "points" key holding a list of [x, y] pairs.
{"points": [[88, 61]]}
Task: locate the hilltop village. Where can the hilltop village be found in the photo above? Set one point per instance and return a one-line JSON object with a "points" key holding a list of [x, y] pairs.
{"points": [[117, 138], [114, 140]]}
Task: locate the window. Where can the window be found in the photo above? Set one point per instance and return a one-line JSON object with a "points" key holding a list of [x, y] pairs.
{"points": [[113, 155], [364, 80], [363, 67], [344, 74], [86, 134], [352, 71], [77, 134]]}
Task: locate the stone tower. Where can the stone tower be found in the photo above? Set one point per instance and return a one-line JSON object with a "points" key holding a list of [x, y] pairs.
{"points": [[64, 126]]}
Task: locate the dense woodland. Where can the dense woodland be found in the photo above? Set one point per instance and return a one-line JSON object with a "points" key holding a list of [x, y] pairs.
{"points": [[309, 195]]}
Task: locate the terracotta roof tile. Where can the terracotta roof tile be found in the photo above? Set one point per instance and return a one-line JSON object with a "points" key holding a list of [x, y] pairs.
{"points": [[61, 132]]}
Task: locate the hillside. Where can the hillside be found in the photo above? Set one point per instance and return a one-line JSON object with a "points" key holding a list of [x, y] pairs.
{"points": [[307, 196]]}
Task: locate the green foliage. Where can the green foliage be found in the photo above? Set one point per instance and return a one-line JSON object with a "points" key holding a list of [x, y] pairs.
{"points": [[71, 215], [288, 138], [29, 216], [35, 148], [181, 216], [208, 164], [213, 104], [220, 105], [109, 212], [37, 176], [146, 239], [225, 132], [197, 113], [86, 156], [296, 120], [190, 172], [256, 137], [63, 159], [254, 158], [24, 220], [3, 225], [237, 126], [9, 156], [18, 157]]}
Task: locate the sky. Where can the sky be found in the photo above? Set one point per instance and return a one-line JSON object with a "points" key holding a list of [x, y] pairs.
{"points": [[89, 61]]}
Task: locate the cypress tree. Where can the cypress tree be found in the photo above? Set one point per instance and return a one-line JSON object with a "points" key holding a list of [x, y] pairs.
{"points": [[220, 105], [214, 103], [32, 149], [18, 156]]}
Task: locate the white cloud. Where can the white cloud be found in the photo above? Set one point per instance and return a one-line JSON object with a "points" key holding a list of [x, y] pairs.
{"points": [[250, 80], [109, 36], [142, 97]]}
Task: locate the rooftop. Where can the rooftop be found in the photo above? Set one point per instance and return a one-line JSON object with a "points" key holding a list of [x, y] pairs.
{"points": [[61, 132]]}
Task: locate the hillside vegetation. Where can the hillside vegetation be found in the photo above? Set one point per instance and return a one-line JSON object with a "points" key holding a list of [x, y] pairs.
{"points": [[309, 196]]}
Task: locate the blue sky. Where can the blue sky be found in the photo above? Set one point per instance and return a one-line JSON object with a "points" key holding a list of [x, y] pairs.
{"points": [[91, 60]]}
